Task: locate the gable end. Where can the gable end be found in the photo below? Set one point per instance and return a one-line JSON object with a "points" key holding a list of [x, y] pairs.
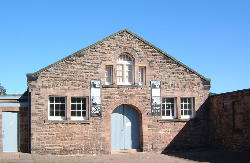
{"points": [[34, 76]]}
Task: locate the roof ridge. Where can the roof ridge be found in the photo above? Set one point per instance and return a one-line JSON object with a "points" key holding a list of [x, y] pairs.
{"points": [[35, 74]]}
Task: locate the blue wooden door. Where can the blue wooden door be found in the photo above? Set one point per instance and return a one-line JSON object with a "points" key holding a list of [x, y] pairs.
{"points": [[9, 131], [125, 128]]}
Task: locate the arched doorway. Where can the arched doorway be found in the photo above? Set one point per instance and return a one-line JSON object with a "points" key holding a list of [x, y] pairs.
{"points": [[125, 132]]}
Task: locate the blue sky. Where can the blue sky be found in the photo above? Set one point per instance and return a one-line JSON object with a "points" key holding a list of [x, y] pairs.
{"points": [[210, 36]]}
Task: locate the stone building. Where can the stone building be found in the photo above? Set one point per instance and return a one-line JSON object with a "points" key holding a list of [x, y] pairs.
{"points": [[121, 93]]}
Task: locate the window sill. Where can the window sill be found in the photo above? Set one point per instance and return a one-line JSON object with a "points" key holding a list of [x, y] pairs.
{"points": [[66, 122], [173, 120], [122, 86]]}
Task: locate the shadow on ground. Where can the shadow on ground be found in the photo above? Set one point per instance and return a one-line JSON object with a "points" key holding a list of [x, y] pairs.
{"points": [[211, 155]]}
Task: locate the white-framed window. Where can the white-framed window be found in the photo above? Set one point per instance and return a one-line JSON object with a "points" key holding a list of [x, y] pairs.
{"points": [[57, 108], [108, 75], [142, 75], [79, 108], [168, 108], [125, 70], [187, 107]]}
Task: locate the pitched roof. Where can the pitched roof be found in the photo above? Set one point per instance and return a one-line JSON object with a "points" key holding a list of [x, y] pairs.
{"points": [[36, 74]]}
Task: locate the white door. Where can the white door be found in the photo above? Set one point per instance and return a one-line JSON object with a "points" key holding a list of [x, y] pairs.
{"points": [[10, 131]]}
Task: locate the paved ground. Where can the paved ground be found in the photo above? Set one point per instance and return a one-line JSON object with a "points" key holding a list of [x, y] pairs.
{"points": [[214, 156]]}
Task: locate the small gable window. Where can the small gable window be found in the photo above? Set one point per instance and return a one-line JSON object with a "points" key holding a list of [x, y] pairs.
{"points": [[125, 70], [108, 75], [142, 75]]}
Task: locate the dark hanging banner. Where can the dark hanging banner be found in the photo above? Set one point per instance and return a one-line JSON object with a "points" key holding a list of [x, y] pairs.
{"points": [[156, 98], [96, 105]]}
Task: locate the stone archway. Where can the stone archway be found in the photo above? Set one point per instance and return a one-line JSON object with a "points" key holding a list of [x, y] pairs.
{"points": [[125, 128]]}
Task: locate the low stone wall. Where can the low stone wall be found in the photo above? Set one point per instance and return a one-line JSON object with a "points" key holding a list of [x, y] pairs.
{"points": [[229, 120]]}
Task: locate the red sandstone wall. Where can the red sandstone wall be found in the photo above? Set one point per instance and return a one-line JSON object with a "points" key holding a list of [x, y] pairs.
{"points": [[229, 120], [71, 77]]}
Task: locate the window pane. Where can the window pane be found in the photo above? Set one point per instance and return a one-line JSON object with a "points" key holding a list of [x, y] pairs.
{"points": [[119, 79], [57, 99], [119, 73], [51, 106], [62, 107], [171, 100], [172, 110], [78, 100], [142, 75], [83, 106], [57, 107], [189, 112], [51, 113], [84, 100], [73, 113], [130, 73], [79, 113], [168, 113], [84, 113], [62, 99], [185, 112], [163, 110], [119, 67], [182, 112], [73, 100], [73, 107], [108, 74], [78, 106], [51, 99], [62, 113], [57, 113]]}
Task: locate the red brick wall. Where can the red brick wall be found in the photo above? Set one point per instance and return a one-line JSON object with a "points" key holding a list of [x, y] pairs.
{"points": [[71, 77], [229, 120]]}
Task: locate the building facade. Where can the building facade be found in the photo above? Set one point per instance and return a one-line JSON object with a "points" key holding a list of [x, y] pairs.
{"points": [[121, 93]]}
